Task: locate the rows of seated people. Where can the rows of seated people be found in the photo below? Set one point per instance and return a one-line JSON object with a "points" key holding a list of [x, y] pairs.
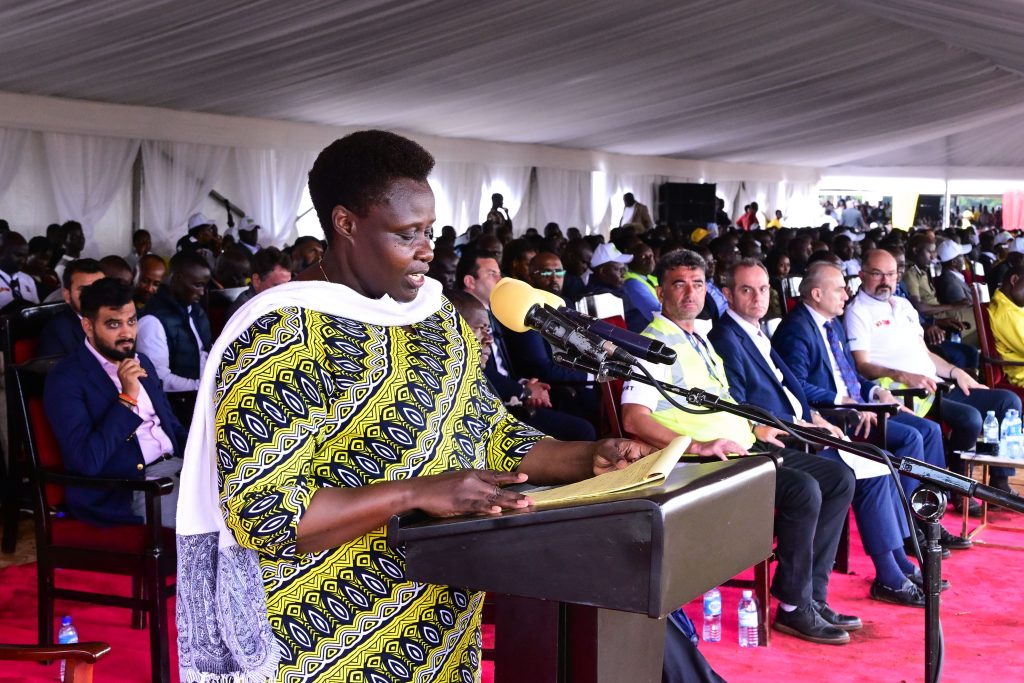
{"points": [[863, 315], [858, 324]]}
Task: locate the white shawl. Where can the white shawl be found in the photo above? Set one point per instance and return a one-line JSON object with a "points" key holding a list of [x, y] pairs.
{"points": [[223, 630]]}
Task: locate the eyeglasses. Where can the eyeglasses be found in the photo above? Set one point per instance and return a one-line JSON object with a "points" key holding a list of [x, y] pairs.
{"points": [[550, 273], [875, 274]]}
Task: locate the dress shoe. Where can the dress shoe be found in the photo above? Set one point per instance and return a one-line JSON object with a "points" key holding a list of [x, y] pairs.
{"points": [[908, 594], [805, 622], [918, 579], [843, 621], [973, 510], [908, 547], [952, 541]]}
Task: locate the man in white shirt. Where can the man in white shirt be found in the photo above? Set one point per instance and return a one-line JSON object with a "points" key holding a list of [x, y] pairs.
{"points": [[635, 213], [249, 234], [109, 415], [15, 285], [175, 332], [887, 342]]}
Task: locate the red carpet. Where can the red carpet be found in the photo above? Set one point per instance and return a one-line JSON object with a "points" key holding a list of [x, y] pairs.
{"points": [[983, 624]]}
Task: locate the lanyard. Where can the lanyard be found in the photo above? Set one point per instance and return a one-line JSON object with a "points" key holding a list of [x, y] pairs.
{"points": [[701, 347]]}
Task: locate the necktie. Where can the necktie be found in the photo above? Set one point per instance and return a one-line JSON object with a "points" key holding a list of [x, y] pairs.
{"points": [[845, 369]]}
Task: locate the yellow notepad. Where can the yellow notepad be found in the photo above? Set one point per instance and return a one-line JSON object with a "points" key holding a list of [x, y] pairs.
{"points": [[648, 471]]}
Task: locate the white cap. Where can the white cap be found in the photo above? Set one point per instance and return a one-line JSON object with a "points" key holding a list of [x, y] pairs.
{"points": [[248, 224], [1017, 245], [607, 253], [1003, 237], [949, 250], [855, 237], [196, 220]]}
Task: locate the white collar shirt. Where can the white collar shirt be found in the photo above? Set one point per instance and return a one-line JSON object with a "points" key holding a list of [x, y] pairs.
{"points": [[764, 345]]}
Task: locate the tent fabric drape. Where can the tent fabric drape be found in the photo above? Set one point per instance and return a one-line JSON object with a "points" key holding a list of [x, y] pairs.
{"points": [[271, 183], [177, 176], [563, 197], [12, 147], [86, 172], [1013, 210]]}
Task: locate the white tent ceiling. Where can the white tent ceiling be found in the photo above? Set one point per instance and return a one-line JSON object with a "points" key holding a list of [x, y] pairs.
{"points": [[798, 82]]}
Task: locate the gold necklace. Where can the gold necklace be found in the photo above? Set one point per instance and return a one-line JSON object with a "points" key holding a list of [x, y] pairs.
{"points": [[324, 272]]}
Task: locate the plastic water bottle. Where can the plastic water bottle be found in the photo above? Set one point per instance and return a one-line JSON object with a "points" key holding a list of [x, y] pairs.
{"points": [[1014, 437], [748, 619], [66, 635], [1004, 426], [712, 616], [990, 428]]}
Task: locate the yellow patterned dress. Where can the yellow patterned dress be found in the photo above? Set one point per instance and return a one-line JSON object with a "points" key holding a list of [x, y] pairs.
{"points": [[307, 400]]}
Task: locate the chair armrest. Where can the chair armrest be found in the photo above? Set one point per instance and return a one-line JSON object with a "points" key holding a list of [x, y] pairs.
{"points": [[86, 652], [877, 408], [1001, 362], [942, 387], [158, 486]]}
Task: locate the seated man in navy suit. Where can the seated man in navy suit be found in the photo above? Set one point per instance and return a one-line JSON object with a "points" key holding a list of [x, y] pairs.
{"points": [[109, 414], [812, 342], [63, 333], [759, 376]]}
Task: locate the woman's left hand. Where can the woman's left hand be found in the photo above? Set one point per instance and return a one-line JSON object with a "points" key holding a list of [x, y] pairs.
{"points": [[617, 454]]}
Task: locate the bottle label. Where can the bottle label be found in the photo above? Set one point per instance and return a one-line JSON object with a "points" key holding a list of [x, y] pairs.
{"points": [[713, 606], [748, 619]]}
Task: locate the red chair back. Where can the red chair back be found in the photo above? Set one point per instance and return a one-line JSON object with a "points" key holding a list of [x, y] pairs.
{"points": [[611, 394], [993, 374], [47, 450]]}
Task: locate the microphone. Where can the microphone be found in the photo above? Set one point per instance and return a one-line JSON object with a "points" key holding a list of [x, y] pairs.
{"points": [[520, 307]]}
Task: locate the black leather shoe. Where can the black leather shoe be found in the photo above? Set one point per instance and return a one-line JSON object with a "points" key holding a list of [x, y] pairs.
{"points": [[843, 621], [953, 542], [908, 594], [918, 578], [908, 547], [973, 510], [805, 622]]}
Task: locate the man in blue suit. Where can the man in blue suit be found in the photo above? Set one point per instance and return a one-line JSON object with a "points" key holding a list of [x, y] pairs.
{"points": [[63, 333], [813, 344], [758, 375], [109, 414]]}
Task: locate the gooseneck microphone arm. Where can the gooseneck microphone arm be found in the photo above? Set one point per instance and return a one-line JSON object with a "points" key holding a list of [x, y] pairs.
{"points": [[917, 469]]}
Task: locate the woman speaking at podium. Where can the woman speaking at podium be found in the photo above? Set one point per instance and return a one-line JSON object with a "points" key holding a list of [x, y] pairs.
{"points": [[328, 405]]}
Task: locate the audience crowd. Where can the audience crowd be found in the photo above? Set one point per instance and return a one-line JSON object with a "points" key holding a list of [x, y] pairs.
{"points": [[796, 321]]}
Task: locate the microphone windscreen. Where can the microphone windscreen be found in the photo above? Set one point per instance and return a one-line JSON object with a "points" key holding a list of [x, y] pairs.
{"points": [[511, 300]]}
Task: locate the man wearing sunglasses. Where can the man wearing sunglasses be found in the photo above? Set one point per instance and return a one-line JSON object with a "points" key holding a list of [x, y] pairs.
{"points": [[534, 357]]}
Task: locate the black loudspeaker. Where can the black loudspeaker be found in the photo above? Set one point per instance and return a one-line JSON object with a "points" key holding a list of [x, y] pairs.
{"points": [[929, 207], [686, 203]]}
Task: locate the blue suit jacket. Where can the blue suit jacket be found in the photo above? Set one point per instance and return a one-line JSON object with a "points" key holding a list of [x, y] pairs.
{"points": [[96, 432], [799, 342], [61, 335], [751, 380]]}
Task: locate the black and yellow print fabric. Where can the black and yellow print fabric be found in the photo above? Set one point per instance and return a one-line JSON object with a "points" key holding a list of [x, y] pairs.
{"points": [[306, 400]]}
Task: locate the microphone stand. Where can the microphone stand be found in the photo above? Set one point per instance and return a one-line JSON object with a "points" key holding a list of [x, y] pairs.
{"points": [[928, 502]]}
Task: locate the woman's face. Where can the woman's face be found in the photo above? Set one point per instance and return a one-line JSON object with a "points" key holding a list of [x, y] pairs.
{"points": [[782, 267], [388, 250]]}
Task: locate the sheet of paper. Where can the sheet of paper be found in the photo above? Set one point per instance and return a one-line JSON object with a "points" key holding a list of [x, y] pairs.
{"points": [[653, 469], [862, 467]]}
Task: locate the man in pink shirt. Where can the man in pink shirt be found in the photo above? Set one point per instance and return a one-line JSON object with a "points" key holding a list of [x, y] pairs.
{"points": [[109, 414]]}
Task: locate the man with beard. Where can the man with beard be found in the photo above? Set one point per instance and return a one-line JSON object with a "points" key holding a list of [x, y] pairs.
{"points": [[887, 342], [114, 419], [305, 252]]}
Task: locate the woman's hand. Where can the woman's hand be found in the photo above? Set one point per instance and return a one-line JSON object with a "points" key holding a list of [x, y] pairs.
{"points": [[467, 492], [617, 454]]}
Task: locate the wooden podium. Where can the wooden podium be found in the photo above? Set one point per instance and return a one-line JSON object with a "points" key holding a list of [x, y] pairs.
{"points": [[593, 582]]}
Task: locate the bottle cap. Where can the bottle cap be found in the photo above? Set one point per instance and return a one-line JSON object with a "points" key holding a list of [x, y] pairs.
{"points": [[748, 594], [66, 621]]}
